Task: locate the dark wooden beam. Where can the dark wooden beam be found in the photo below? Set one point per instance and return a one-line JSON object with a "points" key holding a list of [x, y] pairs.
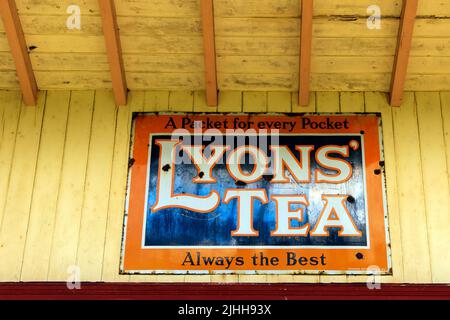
{"points": [[404, 41], [305, 52], [16, 39], [114, 50], [207, 12]]}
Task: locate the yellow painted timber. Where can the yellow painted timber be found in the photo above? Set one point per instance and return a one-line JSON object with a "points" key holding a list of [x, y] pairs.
{"points": [[445, 105], [324, 27], [156, 101], [415, 250], [200, 104], [378, 102], [11, 103], [96, 196], [98, 62], [311, 107], [254, 102], [329, 64], [279, 101], [8, 80], [435, 183], [181, 101], [72, 186], [13, 228], [235, 8], [230, 101], [257, 82], [352, 101], [46, 187], [417, 181], [116, 207]]}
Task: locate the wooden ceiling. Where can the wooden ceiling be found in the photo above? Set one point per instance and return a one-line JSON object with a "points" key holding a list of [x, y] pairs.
{"points": [[257, 45]]}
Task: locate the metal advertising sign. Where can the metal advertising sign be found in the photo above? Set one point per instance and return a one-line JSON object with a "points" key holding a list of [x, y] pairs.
{"points": [[256, 194]]}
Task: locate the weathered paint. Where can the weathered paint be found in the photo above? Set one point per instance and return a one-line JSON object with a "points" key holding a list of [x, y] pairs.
{"points": [[87, 163]]}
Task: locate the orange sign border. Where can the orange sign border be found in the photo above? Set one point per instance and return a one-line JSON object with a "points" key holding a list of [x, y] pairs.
{"points": [[138, 260]]}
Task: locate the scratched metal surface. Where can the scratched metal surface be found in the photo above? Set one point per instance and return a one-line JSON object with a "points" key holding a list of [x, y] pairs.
{"points": [[180, 227]]}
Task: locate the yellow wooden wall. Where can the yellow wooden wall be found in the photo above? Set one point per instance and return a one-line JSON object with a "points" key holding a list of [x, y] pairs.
{"points": [[257, 45], [63, 167]]}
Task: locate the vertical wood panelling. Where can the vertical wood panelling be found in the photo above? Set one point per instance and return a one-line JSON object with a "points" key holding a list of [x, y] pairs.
{"points": [[96, 197], [352, 102], [155, 101], [230, 101], [72, 185], [279, 102], [416, 259], [181, 101], [11, 102], [445, 111], [14, 224], [378, 102], [46, 187], [71, 179], [435, 182], [254, 102], [116, 205]]}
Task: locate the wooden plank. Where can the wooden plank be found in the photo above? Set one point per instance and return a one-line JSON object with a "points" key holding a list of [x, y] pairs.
{"points": [[379, 102], [351, 101], [279, 101], [13, 229], [405, 35], [410, 192], [258, 82], [323, 27], [311, 107], [201, 104], [181, 101], [230, 101], [235, 8], [305, 52], [116, 207], [254, 102], [96, 196], [10, 102], [445, 105], [46, 188], [114, 50], [237, 46], [55, 7], [156, 101], [342, 81], [209, 48], [98, 62], [72, 186], [435, 182], [13, 28], [328, 64]]}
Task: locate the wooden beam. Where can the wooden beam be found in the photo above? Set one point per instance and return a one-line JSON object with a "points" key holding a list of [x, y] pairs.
{"points": [[305, 52], [404, 41], [114, 50], [16, 39], [207, 11]]}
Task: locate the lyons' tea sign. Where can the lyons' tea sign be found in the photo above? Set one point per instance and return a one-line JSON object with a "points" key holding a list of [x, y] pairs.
{"points": [[255, 194]]}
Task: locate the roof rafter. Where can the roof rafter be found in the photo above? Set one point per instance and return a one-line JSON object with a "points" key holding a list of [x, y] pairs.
{"points": [[16, 39], [305, 52], [114, 50], [207, 12], [405, 35]]}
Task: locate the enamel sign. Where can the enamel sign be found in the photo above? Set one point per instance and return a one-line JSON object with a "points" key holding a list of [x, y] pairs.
{"points": [[256, 194]]}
